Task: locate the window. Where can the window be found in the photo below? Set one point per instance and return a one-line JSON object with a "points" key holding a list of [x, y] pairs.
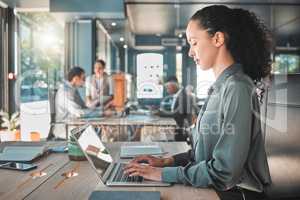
{"points": [[149, 75], [42, 55], [204, 80], [286, 64], [41, 50]]}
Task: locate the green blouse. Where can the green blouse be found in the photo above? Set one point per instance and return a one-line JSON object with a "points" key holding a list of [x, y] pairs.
{"points": [[228, 144]]}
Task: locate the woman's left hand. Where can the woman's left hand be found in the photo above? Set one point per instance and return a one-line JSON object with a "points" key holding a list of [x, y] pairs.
{"points": [[146, 171]]}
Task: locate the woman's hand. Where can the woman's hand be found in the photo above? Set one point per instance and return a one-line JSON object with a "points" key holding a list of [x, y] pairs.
{"points": [[146, 171], [153, 161]]}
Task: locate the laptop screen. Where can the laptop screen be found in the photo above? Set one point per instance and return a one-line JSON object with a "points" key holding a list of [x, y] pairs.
{"points": [[91, 144]]}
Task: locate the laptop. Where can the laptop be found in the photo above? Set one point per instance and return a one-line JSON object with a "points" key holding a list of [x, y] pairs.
{"points": [[109, 171]]}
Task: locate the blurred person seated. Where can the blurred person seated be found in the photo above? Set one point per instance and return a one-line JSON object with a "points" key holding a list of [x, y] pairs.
{"points": [[69, 104], [99, 89], [189, 89], [181, 107]]}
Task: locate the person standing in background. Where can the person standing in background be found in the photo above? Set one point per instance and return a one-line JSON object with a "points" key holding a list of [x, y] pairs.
{"points": [[99, 89]]}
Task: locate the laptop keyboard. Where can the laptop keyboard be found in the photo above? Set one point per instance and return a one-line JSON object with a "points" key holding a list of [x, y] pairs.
{"points": [[121, 177]]}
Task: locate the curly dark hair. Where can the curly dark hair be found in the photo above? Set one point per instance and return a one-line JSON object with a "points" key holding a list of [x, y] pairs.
{"points": [[246, 37]]}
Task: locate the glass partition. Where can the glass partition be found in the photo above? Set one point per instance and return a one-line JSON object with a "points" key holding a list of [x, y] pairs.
{"points": [[286, 64]]}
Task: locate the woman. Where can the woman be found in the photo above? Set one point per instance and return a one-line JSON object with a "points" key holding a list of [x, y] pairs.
{"points": [[228, 152], [98, 86]]}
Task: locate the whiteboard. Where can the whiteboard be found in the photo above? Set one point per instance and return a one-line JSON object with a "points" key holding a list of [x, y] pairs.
{"points": [[149, 74]]}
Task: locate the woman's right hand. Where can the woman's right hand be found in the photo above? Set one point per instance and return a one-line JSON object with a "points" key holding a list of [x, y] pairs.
{"points": [[153, 161]]}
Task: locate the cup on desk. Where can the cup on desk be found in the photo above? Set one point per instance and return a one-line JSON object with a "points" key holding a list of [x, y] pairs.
{"points": [[74, 151], [35, 136]]}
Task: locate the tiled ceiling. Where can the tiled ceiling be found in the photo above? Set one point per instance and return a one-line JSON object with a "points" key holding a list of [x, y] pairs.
{"points": [[167, 17]]}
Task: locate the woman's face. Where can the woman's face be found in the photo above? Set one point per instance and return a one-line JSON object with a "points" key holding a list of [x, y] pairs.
{"points": [[99, 69], [202, 47]]}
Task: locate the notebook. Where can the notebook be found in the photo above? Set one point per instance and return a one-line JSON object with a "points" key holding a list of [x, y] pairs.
{"points": [[21, 153], [125, 195], [137, 150]]}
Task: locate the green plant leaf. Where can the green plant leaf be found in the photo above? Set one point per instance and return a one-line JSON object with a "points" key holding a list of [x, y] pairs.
{"points": [[15, 116]]}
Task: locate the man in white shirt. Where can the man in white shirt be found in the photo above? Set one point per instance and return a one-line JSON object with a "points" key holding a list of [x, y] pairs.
{"points": [[69, 104]]}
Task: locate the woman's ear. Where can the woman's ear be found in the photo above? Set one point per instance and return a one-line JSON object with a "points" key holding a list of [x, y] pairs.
{"points": [[219, 39]]}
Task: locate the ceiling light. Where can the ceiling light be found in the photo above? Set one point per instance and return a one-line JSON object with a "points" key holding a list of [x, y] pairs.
{"points": [[11, 76], [180, 35], [122, 39], [125, 46], [114, 24]]}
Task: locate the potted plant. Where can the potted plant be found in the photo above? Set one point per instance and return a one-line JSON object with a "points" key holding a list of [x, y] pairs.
{"points": [[9, 127]]}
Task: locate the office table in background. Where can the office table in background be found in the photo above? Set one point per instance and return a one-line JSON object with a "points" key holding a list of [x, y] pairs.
{"points": [[150, 124], [145, 120]]}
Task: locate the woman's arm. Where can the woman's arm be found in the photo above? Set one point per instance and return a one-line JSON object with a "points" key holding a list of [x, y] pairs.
{"points": [[154, 161], [182, 159]]}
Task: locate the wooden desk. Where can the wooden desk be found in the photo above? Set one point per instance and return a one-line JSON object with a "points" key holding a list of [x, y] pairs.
{"points": [[18, 185], [81, 186]]}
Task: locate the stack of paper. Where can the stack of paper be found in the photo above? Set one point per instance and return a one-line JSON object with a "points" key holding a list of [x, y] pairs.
{"points": [[137, 150]]}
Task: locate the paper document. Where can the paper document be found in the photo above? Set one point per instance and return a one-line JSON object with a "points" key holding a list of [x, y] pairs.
{"points": [[137, 150]]}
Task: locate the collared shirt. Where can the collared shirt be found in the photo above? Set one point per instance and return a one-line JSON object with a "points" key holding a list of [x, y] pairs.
{"points": [[68, 105], [68, 102], [228, 144], [99, 89], [182, 108], [175, 96]]}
